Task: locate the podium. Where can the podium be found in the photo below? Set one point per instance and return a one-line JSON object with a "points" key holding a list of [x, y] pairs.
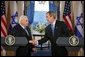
{"points": [[11, 50], [64, 41], [61, 41], [72, 50], [19, 41]]}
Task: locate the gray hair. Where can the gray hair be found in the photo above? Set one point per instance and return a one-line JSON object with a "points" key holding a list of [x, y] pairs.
{"points": [[22, 17]]}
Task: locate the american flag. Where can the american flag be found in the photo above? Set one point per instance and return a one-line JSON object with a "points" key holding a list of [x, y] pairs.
{"points": [[3, 20], [67, 15]]}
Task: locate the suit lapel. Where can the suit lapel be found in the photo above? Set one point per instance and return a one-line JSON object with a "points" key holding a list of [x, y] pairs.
{"points": [[28, 30], [23, 31], [56, 29], [50, 31]]}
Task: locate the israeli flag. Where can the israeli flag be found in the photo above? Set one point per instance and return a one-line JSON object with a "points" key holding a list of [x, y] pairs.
{"points": [[79, 28], [14, 15]]}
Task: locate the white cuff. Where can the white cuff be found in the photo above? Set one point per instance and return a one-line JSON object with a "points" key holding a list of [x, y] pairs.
{"points": [[37, 43]]}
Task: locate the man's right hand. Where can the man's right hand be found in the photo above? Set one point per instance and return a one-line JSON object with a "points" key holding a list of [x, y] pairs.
{"points": [[34, 42]]}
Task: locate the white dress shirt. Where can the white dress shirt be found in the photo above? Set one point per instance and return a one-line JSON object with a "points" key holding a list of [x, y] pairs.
{"points": [[54, 23]]}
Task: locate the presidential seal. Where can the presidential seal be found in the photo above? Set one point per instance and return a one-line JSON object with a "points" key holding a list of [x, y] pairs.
{"points": [[10, 40], [73, 40]]}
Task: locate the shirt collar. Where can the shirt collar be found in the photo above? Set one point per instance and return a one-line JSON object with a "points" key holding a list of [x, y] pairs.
{"points": [[22, 26], [54, 22]]}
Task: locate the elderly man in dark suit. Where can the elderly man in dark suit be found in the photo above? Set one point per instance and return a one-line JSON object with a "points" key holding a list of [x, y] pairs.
{"points": [[22, 30]]}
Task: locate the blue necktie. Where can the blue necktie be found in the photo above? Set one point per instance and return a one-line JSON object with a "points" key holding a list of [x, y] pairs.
{"points": [[52, 27]]}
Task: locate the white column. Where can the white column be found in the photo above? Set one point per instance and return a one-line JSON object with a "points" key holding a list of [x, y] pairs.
{"points": [[20, 8], [62, 3]]}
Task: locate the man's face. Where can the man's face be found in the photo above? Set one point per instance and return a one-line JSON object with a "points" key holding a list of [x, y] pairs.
{"points": [[49, 18], [24, 22]]}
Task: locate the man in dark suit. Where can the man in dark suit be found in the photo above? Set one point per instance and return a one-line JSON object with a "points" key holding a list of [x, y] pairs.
{"points": [[54, 30], [22, 30]]}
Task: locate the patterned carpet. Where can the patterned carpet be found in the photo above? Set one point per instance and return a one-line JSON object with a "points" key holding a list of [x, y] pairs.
{"points": [[42, 53]]}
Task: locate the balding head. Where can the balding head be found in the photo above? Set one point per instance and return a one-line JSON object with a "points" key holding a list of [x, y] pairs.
{"points": [[23, 20]]}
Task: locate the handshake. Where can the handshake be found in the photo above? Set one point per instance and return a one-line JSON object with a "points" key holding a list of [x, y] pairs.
{"points": [[34, 42]]}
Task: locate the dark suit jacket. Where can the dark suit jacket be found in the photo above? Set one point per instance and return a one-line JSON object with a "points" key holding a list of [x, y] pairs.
{"points": [[18, 31], [60, 30]]}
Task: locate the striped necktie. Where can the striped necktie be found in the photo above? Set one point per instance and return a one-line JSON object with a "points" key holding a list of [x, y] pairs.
{"points": [[26, 31]]}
